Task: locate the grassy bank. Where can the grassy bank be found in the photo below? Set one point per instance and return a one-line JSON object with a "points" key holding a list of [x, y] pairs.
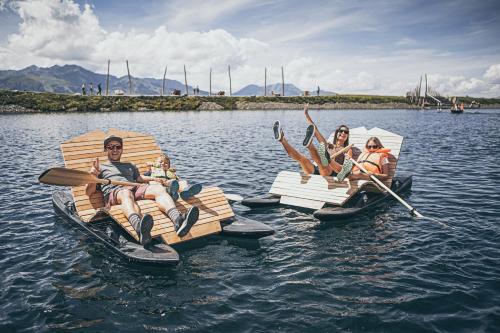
{"points": [[50, 102]]}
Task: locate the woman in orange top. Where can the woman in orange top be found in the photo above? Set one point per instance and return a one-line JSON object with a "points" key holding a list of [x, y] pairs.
{"points": [[374, 159]]}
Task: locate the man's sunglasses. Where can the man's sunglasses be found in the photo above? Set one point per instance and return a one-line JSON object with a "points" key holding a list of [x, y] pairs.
{"points": [[117, 147], [372, 147]]}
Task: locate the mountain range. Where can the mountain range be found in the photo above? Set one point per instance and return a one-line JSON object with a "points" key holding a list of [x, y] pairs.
{"points": [[69, 79]]}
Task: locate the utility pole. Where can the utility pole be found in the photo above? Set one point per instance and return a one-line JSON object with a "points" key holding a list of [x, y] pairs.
{"points": [[282, 82], [230, 87], [163, 84], [185, 81], [419, 90], [107, 79], [265, 81], [129, 80]]}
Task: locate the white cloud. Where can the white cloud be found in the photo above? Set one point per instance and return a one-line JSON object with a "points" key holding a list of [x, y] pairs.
{"points": [[459, 85], [62, 32], [201, 11], [493, 73], [58, 32]]}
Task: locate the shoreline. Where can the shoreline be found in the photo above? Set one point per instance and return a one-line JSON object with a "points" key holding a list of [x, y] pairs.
{"points": [[14, 102]]}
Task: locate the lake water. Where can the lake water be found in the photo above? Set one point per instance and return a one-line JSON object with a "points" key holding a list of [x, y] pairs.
{"points": [[382, 272]]}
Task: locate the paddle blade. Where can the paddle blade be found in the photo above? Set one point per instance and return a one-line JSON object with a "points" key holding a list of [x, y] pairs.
{"points": [[66, 177]]}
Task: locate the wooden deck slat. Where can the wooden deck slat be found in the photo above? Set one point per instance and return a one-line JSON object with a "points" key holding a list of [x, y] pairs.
{"points": [[196, 232], [99, 142], [140, 156], [96, 152]]}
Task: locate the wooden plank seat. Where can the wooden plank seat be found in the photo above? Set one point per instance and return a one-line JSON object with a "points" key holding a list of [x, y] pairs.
{"points": [[138, 148], [314, 191]]}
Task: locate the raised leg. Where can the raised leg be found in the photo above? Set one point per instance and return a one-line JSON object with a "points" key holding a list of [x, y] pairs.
{"points": [[304, 162], [323, 170]]}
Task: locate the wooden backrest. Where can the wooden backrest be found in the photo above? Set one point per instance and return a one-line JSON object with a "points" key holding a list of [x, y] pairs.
{"points": [[80, 152]]}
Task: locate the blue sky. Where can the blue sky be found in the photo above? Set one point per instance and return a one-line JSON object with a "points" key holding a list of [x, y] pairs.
{"points": [[372, 47]]}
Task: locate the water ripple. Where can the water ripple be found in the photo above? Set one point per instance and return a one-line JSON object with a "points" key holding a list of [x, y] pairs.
{"points": [[380, 272]]}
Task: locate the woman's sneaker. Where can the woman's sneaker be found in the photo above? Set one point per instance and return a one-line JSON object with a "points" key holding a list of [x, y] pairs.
{"points": [[278, 131], [309, 135], [191, 191], [186, 221], [173, 189], [324, 156], [346, 169]]}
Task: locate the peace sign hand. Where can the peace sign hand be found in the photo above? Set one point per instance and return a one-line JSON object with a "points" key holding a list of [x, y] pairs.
{"points": [[95, 169]]}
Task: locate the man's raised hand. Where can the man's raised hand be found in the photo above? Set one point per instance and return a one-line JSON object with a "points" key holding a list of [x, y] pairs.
{"points": [[95, 169]]}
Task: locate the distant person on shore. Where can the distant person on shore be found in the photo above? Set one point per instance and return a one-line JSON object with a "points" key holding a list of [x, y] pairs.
{"points": [[99, 89], [84, 92], [375, 159], [322, 164], [161, 169], [317, 91], [91, 89], [126, 196]]}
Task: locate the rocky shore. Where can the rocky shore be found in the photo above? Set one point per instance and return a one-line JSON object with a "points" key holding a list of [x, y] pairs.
{"points": [[12, 102]]}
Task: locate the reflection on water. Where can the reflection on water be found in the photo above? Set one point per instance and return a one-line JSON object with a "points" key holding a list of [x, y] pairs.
{"points": [[384, 271]]}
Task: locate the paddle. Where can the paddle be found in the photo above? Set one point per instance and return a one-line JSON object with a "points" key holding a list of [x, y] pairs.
{"points": [[72, 177], [342, 151], [376, 180]]}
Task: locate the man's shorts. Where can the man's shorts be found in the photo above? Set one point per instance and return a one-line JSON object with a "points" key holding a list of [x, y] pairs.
{"points": [[138, 191]]}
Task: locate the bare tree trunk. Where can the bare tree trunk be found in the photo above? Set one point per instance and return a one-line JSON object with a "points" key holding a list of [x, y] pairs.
{"points": [[163, 83], [107, 80], [185, 81], [282, 82], [265, 81], [230, 87], [129, 80]]}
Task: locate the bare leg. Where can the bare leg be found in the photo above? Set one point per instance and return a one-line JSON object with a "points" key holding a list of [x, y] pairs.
{"points": [[304, 162], [323, 170], [159, 194], [317, 134], [126, 199]]}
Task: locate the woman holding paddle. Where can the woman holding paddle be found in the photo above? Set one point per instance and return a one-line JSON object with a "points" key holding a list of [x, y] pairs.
{"points": [[337, 143]]}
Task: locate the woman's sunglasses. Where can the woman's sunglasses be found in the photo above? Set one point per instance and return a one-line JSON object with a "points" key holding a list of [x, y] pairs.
{"points": [[372, 147], [344, 131]]}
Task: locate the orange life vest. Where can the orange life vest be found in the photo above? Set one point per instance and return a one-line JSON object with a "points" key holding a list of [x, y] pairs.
{"points": [[372, 161]]}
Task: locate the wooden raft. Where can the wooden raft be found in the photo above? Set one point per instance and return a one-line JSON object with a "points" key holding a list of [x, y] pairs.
{"points": [[314, 191], [139, 149]]}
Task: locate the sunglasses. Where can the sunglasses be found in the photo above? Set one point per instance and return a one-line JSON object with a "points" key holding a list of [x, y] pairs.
{"points": [[372, 147], [344, 131], [117, 147]]}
